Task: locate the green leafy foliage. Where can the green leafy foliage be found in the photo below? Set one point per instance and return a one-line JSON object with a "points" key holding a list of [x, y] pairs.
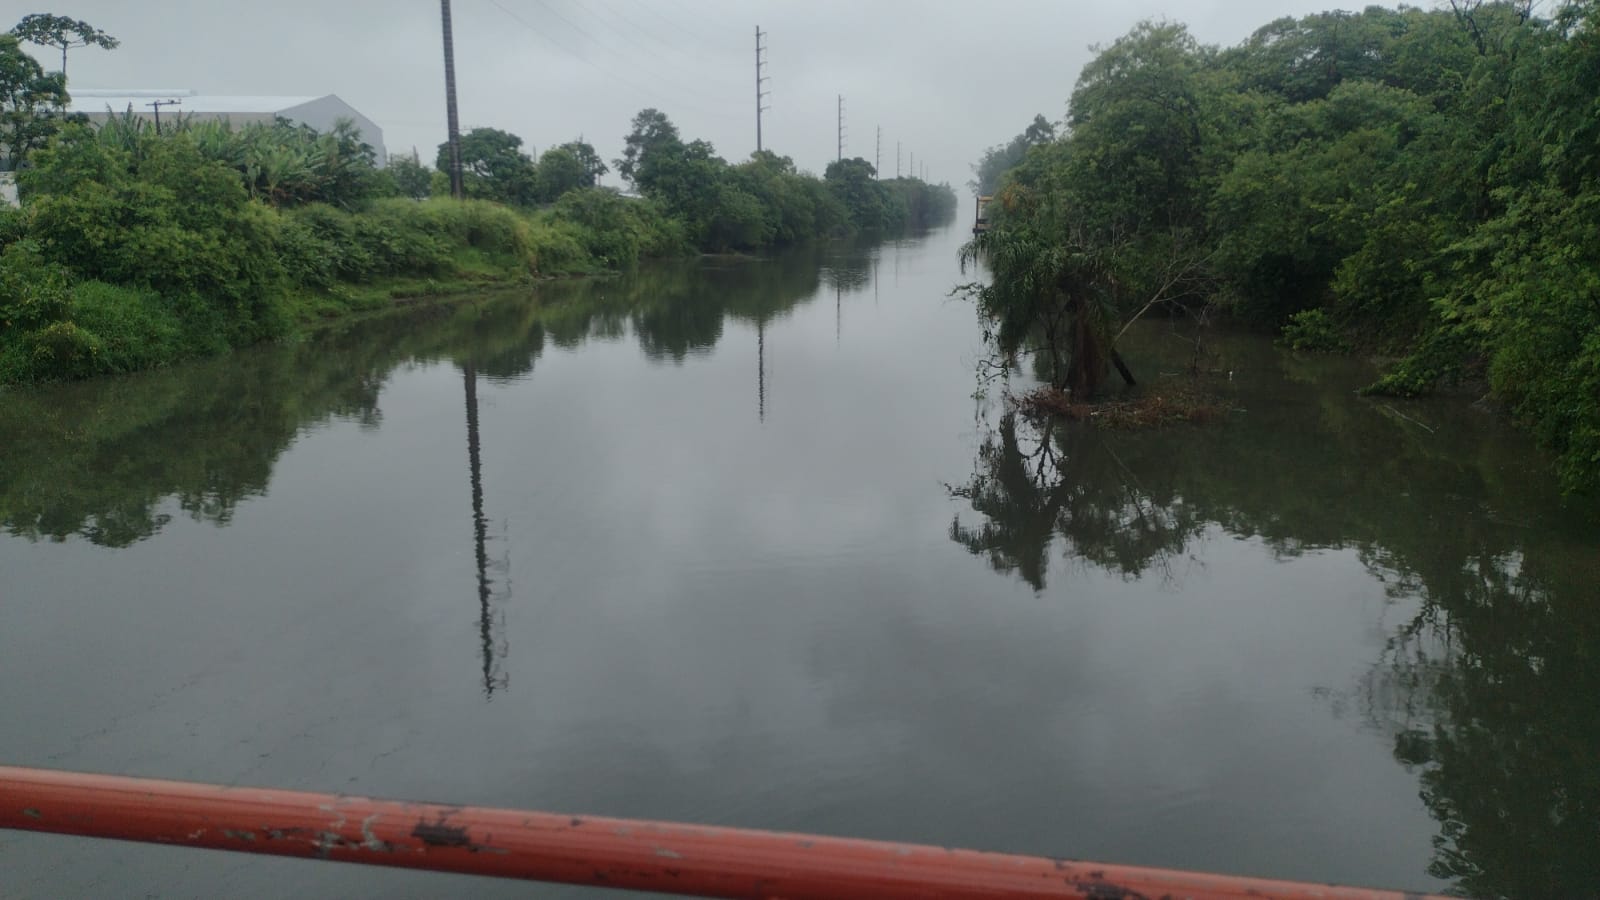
{"points": [[494, 167], [1311, 329], [764, 201], [410, 177], [145, 247], [62, 33], [30, 103], [1001, 158], [1418, 182]]}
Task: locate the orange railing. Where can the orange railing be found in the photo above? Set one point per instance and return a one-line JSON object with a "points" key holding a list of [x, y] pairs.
{"points": [[617, 853]]}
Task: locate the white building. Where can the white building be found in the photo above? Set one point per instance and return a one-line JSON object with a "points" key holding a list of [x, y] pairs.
{"points": [[318, 112]]}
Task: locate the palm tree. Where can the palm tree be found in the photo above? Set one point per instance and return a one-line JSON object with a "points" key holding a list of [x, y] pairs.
{"points": [[1052, 295]]}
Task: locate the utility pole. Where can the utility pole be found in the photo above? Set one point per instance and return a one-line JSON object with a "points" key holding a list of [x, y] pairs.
{"points": [[760, 94], [913, 166], [896, 160], [877, 156], [841, 127], [156, 105], [451, 118]]}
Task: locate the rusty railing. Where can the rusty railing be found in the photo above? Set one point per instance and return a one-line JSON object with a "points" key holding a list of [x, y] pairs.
{"points": [[618, 853]]}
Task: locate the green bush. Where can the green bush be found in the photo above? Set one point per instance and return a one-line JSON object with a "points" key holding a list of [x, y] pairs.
{"points": [[63, 350], [618, 231], [136, 327], [1312, 329], [33, 290], [163, 217], [557, 248], [13, 226]]}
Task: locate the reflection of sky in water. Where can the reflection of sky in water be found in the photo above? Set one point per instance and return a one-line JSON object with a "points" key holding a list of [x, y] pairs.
{"points": [[712, 615]]}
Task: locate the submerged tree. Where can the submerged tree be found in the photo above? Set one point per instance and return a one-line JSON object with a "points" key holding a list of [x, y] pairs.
{"points": [[1049, 295]]}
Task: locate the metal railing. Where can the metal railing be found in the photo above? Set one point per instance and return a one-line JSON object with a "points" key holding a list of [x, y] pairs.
{"points": [[617, 853]]}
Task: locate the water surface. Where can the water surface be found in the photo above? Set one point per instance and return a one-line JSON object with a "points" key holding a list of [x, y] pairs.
{"points": [[733, 542]]}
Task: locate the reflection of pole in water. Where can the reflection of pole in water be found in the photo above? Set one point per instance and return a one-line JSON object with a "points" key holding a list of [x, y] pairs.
{"points": [[480, 534], [761, 369]]}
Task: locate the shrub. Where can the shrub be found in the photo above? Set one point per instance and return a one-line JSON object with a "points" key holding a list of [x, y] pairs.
{"points": [[1311, 329], [136, 327]]}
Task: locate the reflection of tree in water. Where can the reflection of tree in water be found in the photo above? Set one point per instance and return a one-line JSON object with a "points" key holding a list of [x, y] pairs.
{"points": [[1036, 482], [1488, 686], [1492, 693], [99, 460]]}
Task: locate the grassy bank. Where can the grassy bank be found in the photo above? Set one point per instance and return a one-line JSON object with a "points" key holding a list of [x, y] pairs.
{"points": [[76, 301], [136, 249]]}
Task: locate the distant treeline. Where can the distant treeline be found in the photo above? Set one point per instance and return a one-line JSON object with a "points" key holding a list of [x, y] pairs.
{"points": [[1423, 185], [136, 247]]}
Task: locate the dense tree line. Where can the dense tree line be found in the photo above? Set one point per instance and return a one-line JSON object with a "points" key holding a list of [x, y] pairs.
{"points": [[1420, 184], [765, 201], [137, 246]]}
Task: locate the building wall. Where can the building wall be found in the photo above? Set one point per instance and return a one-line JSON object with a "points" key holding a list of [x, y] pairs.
{"points": [[236, 118], [323, 112]]}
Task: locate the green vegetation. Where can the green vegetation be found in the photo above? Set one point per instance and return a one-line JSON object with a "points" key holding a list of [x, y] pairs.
{"points": [[138, 247], [110, 461], [1485, 681], [765, 202], [1412, 182]]}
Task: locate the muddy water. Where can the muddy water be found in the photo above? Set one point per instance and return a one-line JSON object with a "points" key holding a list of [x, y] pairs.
{"points": [[733, 542]]}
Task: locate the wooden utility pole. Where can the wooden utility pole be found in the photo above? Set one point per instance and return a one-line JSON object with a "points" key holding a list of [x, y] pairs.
{"points": [[156, 105], [452, 119], [896, 160], [877, 156], [760, 94]]}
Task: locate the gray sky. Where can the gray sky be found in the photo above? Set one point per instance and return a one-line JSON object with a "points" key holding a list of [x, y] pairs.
{"points": [[945, 80]]}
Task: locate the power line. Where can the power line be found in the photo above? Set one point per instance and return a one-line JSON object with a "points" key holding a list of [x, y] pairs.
{"points": [[585, 33], [607, 70], [670, 23], [624, 35]]}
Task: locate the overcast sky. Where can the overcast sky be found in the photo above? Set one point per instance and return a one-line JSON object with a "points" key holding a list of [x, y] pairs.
{"points": [[944, 80]]}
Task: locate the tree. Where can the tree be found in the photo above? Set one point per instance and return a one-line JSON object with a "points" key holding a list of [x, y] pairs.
{"points": [[593, 166], [854, 181], [29, 103], [63, 33], [494, 166], [559, 171], [411, 178], [1000, 158], [653, 134]]}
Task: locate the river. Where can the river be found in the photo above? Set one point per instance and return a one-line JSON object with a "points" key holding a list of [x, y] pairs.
{"points": [[737, 542]]}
